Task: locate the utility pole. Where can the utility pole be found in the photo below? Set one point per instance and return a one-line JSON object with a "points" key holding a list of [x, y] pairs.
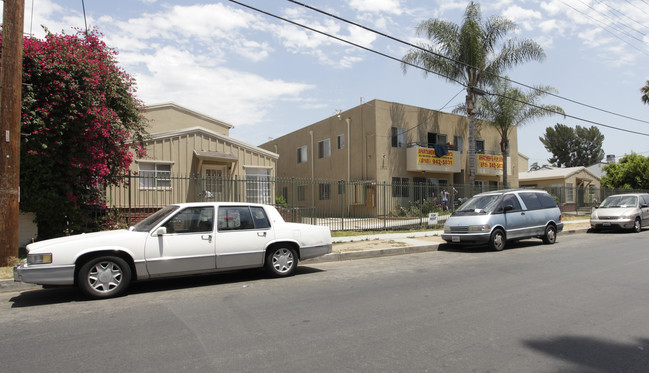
{"points": [[11, 74]]}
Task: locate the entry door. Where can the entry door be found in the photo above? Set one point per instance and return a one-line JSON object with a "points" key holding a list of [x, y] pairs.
{"points": [[188, 246], [213, 188]]}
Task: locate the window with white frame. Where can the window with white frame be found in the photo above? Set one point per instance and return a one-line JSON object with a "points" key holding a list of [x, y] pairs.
{"points": [[398, 135], [570, 192], [341, 141], [258, 185], [301, 154], [324, 148], [154, 175]]}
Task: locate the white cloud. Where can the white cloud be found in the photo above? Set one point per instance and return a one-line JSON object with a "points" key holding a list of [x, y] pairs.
{"points": [[377, 6], [235, 96]]}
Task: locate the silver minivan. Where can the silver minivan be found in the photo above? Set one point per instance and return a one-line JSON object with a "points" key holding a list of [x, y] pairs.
{"points": [[622, 211], [493, 218]]}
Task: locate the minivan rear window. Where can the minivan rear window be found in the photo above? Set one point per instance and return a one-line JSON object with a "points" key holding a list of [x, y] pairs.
{"points": [[531, 200], [547, 201]]}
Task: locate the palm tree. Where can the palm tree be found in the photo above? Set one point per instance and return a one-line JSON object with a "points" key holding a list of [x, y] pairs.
{"points": [[467, 54], [645, 93], [506, 108]]}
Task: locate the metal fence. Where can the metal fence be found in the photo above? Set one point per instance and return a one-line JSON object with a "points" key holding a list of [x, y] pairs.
{"points": [[340, 205]]}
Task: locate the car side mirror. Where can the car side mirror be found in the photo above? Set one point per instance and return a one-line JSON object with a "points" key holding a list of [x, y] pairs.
{"points": [[509, 208], [644, 205], [161, 231]]}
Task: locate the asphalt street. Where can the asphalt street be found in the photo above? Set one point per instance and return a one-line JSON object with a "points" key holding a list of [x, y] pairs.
{"points": [[579, 305]]}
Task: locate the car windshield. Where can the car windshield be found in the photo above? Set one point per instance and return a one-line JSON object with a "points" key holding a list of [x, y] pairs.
{"points": [[479, 205], [153, 220], [620, 201]]}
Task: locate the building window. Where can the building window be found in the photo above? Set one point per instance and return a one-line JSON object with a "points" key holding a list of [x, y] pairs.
{"points": [[258, 185], [398, 137], [155, 175], [301, 154], [570, 193], [341, 186], [436, 139], [324, 191], [301, 193], [341, 142], [457, 143], [479, 146], [400, 187], [324, 148]]}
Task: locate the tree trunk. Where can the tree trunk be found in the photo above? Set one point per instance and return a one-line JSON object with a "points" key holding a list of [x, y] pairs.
{"points": [[504, 144], [470, 104]]}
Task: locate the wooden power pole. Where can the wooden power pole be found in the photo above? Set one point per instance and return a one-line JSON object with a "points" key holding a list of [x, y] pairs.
{"points": [[11, 77]]}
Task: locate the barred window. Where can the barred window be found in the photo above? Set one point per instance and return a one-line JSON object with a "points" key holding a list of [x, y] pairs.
{"points": [[154, 175]]}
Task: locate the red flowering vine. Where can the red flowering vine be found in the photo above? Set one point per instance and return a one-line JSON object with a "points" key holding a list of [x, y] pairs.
{"points": [[81, 126]]}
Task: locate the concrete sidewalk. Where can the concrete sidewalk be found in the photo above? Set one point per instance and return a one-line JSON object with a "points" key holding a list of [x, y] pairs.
{"points": [[364, 247]]}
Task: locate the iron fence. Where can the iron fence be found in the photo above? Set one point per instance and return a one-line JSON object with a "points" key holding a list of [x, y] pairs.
{"points": [[338, 204]]}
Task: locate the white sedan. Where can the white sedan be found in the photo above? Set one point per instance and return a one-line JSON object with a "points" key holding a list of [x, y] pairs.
{"points": [[180, 239]]}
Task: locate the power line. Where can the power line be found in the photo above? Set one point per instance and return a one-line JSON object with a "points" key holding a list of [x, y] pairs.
{"points": [[433, 72], [460, 62], [343, 40]]}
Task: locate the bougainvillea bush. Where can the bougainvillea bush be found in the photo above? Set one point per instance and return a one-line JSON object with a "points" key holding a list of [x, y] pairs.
{"points": [[81, 126]]}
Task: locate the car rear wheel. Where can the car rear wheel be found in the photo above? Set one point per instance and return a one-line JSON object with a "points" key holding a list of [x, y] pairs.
{"points": [[550, 235], [104, 277], [281, 261], [497, 240], [637, 225]]}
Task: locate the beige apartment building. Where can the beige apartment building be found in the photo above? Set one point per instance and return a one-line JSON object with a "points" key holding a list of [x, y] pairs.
{"points": [[416, 151]]}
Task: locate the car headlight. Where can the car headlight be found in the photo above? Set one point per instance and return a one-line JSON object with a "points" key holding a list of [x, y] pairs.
{"points": [[39, 258], [478, 228]]}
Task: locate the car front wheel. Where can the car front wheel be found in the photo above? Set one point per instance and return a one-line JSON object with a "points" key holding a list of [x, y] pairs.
{"points": [[637, 225], [497, 240], [550, 235], [281, 261], [104, 277]]}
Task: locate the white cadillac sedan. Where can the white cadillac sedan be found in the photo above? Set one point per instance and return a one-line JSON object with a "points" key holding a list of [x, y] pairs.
{"points": [[182, 239]]}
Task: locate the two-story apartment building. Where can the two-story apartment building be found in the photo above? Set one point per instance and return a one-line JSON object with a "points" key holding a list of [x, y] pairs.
{"points": [[416, 151]]}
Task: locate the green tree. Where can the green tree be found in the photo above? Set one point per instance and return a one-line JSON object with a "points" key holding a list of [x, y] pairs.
{"points": [[630, 172], [507, 108], [645, 93], [80, 121], [570, 147], [469, 54]]}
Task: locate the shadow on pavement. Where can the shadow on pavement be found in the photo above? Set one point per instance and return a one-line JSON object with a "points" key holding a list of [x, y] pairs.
{"points": [[67, 294], [595, 355]]}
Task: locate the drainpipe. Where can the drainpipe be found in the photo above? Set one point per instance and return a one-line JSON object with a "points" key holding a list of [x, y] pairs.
{"points": [[312, 172]]}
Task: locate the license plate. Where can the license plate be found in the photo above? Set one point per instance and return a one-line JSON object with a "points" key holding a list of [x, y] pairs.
{"points": [[606, 224], [455, 239]]}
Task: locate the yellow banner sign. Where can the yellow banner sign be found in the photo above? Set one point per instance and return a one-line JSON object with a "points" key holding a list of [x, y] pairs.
{"points": [[428, 156], [490, 161]]}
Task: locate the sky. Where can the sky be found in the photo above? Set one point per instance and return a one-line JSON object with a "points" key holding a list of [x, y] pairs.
{"points": [[268, 77]]}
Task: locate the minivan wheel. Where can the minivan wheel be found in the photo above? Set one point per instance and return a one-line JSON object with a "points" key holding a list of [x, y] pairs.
{"points": [[550, 235], [497, 240], [637, 225]]}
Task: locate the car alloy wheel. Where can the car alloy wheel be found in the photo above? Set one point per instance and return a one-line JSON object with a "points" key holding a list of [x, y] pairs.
{"points": [[104, 277], [281, 261], [550, 235], [497, 240]]}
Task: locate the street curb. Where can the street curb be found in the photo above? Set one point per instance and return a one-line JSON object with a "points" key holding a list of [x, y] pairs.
{"points": [[10, 285]]}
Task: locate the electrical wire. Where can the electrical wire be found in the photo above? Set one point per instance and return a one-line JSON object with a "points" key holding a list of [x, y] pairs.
{"points": [[462, 63], [433, 72]]}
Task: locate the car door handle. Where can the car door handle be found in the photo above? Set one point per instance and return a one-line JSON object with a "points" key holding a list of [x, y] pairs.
{"points": [[207, 237], [261, 234]]}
